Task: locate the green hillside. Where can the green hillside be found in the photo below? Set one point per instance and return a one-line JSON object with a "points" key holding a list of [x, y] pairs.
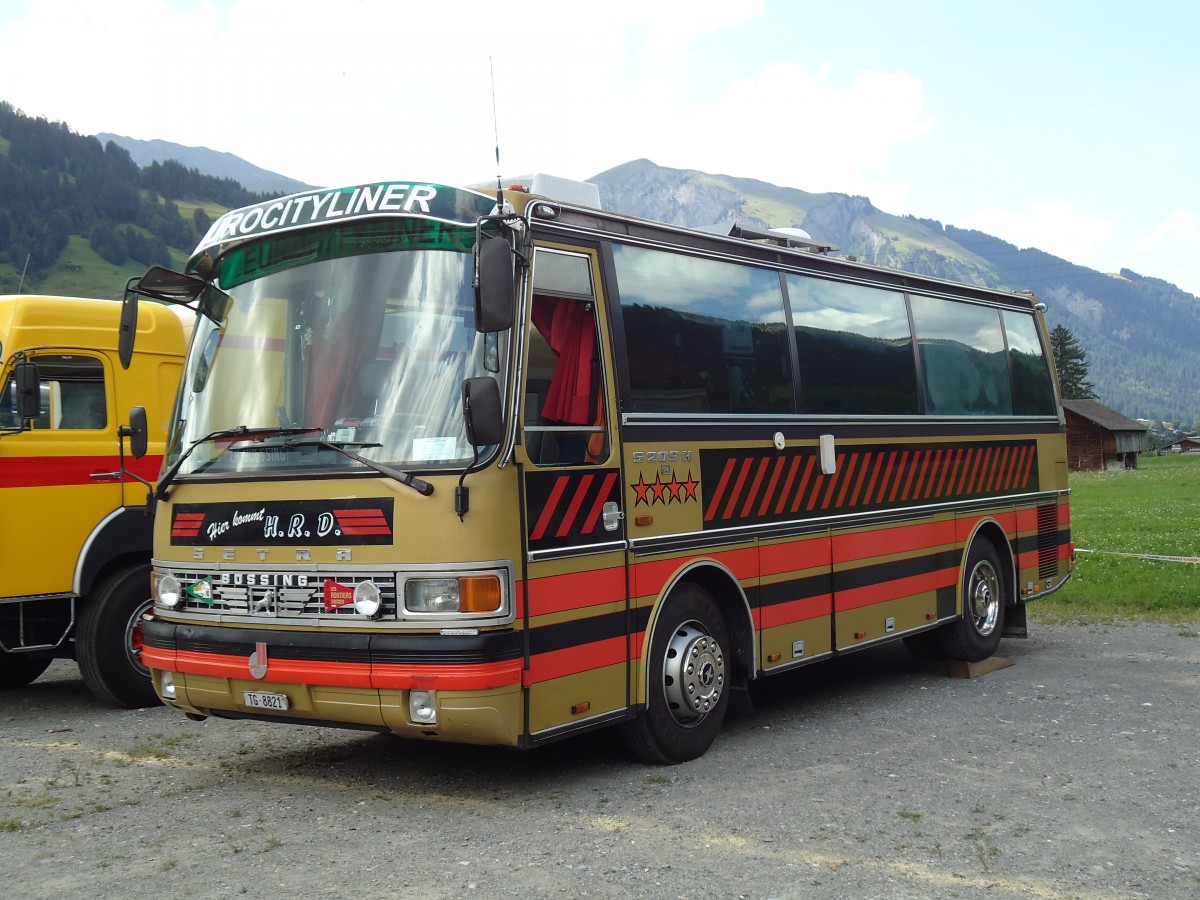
{"points": [[80, 218]]}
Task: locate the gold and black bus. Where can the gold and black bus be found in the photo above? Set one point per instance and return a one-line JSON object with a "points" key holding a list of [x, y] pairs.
{"points": [[502, 467]]}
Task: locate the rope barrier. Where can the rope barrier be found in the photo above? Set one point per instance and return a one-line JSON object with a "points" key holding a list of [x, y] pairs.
{"points": [[1180, 559]]}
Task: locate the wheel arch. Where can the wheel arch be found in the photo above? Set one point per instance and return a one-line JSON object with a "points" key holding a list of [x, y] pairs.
{"points": [[990, 530], [124, 538], [731, 599]]}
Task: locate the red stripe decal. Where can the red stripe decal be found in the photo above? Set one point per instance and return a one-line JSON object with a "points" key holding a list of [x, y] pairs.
{"points": [[574, 660], [590, 522], [775, 473], [737, 487], [758, 477], [543, 521], [808, 468], [62, 471], [573, 507], [862, 471], [720, 491]]}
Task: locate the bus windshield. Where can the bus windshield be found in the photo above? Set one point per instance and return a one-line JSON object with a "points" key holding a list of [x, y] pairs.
{"points": [[358, 337]]}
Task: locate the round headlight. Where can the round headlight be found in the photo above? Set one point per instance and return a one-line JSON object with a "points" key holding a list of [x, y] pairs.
{"points": [[168, 591], [367, 599]]}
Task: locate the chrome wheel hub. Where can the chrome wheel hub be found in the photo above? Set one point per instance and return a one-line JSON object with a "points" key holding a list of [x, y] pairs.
{"points": [[983, 600], [693, 673]]}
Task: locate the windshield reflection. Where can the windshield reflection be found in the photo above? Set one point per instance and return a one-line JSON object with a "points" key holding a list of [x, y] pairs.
{"points": [[370, 350]]}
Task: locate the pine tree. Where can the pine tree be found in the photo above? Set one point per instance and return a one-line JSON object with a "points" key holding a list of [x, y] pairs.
{"points": [[1071, 363]]}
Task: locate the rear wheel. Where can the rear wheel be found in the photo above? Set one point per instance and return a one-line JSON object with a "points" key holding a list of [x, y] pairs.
{"points": [[20, 669], [108, 641], [977, 634], [688, 684]]}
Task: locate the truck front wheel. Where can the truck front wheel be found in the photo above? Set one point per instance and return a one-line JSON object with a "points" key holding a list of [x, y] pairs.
{"points": [[108, 640]]}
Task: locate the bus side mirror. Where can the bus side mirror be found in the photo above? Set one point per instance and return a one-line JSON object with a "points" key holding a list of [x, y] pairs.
{"points": [[125, 337], [495, 293], [482, 411], [29, 391], [136, 431]]}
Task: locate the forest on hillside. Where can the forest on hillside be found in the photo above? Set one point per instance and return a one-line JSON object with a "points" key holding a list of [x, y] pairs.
{"points": [[56, 184]]}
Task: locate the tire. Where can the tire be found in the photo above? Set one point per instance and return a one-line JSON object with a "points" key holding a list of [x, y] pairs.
{"points": [[977, 634], [689, 681], [108, 640], [20, 669]]}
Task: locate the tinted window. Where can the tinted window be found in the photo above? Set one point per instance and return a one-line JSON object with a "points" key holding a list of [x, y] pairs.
{"points": [[703, 336], [962, 355], [855, 348], [1033, 391]]}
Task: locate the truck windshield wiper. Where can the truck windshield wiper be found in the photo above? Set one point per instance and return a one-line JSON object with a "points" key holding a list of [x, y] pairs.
{"points": [[343, 447], [242, 431]]}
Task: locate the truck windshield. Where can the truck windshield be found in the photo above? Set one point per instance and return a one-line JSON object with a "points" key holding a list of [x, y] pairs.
{"points": [[361, 336]]}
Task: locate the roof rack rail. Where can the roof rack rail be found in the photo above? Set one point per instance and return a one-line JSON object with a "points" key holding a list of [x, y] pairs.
{"points": [[795, 238]]}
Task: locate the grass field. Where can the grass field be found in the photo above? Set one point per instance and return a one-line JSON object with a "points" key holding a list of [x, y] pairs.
{"points": [[1153, 510]]}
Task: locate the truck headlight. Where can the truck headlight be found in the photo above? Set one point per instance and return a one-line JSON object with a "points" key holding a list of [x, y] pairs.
{"points": [[465, 594]]}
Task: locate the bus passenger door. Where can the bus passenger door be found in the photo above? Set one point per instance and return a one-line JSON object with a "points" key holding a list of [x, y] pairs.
{"points": [[574, 578]]}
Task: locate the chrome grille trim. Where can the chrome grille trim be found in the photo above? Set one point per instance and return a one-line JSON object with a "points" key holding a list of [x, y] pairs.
{"points": [[281, 602]]}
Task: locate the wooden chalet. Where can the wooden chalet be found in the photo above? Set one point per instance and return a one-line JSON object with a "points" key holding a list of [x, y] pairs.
{"points": [[1189, 444], [1102, 438]]}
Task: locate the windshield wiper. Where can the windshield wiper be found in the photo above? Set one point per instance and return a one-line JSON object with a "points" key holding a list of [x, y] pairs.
{"points": [[242, 431], [343, 447]]}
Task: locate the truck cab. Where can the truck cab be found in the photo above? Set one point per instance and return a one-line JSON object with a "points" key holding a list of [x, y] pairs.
{"points": [[75, 536]]}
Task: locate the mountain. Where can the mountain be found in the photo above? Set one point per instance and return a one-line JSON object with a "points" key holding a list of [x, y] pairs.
{"points": [[1141, 334], [207, 162], [81, 216]]}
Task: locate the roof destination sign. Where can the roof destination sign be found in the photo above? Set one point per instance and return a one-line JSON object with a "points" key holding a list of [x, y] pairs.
{"points": [[329, 205]]}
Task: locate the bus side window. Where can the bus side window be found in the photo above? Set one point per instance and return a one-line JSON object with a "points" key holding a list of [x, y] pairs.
{"points": [[564, 396]]}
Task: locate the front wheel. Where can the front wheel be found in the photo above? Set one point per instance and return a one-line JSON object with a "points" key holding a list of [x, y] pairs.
{"points": [[977, 634], [108, 641], [689, 681]]}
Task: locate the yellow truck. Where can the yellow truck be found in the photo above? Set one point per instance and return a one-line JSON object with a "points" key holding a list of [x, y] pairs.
{"points": [[75, 535]]}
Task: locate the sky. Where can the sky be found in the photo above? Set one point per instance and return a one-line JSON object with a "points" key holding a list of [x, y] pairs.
{"points": [[1067, 125]]}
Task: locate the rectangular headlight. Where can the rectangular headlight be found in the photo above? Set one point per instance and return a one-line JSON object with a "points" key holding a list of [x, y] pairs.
{"points": [[466, 594]]}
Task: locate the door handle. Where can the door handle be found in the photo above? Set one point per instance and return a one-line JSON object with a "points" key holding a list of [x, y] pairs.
{"points": [[105, 476]]}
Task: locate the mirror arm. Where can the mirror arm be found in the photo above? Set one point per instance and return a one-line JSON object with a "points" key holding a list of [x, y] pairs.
{"points": [[125, 431]]}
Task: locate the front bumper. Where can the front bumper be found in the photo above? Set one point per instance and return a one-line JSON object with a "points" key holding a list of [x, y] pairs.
{"points": [[351, 679]]}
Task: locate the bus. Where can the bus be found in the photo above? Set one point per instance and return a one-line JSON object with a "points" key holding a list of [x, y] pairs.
{"points": [[76, 540], [500, 468]]}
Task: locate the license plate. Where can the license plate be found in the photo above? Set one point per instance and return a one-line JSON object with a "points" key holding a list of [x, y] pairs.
{"points": [[264, 700]]}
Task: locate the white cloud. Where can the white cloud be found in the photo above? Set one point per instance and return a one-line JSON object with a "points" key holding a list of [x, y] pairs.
{"points": [[336, 93], [1170, 251], [1054, 227], [793, 127]]}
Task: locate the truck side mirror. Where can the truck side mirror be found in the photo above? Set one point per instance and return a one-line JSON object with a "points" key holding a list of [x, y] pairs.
{"points": [[136, 431], [483, 412], [125, 337], [29, 390], [495, 292]]}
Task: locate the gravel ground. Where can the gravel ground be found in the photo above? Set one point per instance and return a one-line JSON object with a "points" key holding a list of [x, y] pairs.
{"points": [[1074, 773]]}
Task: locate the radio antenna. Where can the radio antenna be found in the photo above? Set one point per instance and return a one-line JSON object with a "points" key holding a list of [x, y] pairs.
{"points": [[496, 131]]}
